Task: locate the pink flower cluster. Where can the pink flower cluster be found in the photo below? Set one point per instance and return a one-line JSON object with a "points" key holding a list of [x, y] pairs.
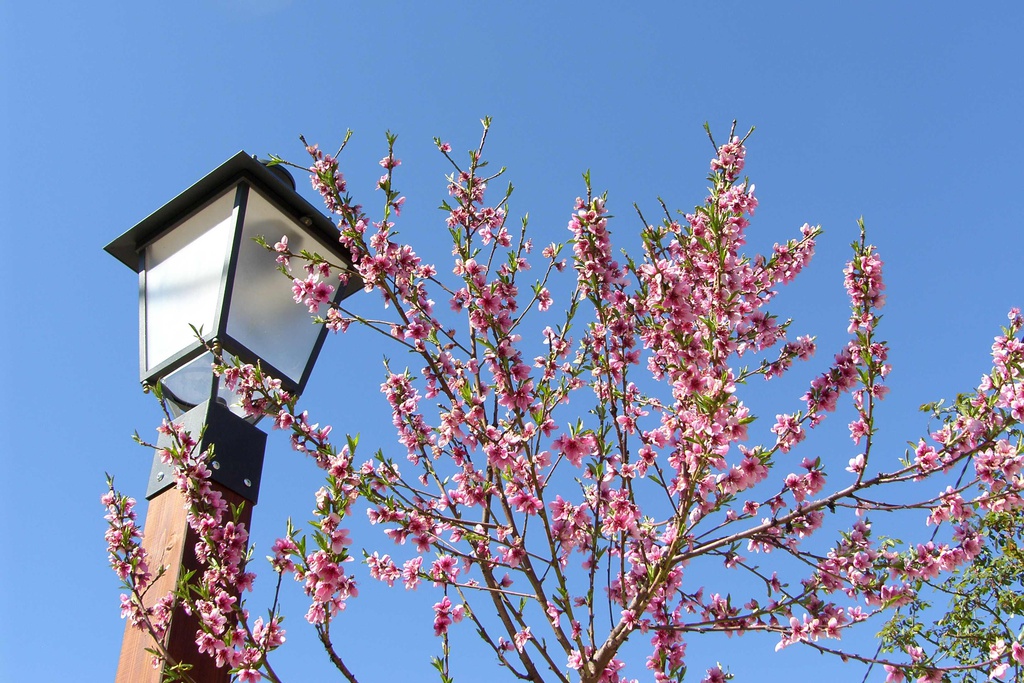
{"points": [[312, 292], [130, 562], [327, 179], [445, 614], [730, 159]]}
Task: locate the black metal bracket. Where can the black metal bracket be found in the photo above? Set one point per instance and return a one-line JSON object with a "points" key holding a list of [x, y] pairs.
{"points": [[238, 450]]}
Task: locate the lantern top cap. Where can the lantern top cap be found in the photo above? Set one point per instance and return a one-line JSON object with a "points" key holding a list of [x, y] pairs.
{"points": [[241, 166]]}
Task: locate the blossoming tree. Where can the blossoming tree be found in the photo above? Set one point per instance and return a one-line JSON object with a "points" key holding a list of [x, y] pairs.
{"points": [[570, 501]]}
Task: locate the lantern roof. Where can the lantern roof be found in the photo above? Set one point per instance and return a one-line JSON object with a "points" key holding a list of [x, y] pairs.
{"points": [[268, 180]]}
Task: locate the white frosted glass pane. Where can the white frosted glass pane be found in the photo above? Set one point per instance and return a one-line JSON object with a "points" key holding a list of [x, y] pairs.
{"points": [[191, 384], [263, 315], [184, 270]]}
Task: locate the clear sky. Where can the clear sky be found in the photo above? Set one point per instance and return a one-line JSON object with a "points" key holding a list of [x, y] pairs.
{"points": [[909, 114]]}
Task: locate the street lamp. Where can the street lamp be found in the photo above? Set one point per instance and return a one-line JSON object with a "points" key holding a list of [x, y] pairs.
{"points": [[198, 266], [200, 269]]}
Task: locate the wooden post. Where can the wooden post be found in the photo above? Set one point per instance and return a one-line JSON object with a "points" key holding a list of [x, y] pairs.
{"points": [[171, 543], [236, 468]]}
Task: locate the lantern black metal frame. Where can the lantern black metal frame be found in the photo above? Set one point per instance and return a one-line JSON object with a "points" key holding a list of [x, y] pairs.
{"points": [[274, 184]]}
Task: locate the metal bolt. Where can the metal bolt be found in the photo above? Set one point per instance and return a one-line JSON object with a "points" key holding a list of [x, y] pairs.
{"points": [[160, 476], [216, 465], [247, 482]]}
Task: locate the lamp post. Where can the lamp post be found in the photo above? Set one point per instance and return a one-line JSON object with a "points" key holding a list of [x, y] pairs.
{"points": [[199, 267]]}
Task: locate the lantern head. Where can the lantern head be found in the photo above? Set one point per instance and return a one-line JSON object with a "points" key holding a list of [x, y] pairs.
{"points": [[200, 269]]}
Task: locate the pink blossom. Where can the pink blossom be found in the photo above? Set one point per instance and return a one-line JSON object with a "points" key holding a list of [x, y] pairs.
{"points": [[574, 448], [893, 674], [522, 637], [445, 615], [715, 675]]}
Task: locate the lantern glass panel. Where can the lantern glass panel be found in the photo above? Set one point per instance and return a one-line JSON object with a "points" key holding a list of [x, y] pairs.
{"points": [[189, 385], [263, 315], [184, 275], [194, 382]]}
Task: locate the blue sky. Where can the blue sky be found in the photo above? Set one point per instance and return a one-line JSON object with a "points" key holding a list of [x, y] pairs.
{"points": [[907, 114]]}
